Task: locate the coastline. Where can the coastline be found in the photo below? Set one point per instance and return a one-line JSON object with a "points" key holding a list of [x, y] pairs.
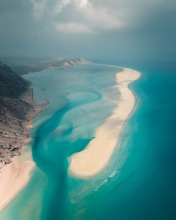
{"points": [[97, 154], [15, 175]]}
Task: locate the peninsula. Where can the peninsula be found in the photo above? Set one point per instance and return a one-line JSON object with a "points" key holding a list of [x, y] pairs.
{"points": [[26, 66]]}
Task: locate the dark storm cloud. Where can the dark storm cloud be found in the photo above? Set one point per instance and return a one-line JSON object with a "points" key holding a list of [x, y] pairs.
{"points": [[122, 29]]}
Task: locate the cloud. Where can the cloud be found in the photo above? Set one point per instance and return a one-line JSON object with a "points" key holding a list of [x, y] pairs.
{"points": [[89, 26], [72, 28], [60, 5], [94, 16], [100, 18], [75, 14], [82, 3], [38, 8]]}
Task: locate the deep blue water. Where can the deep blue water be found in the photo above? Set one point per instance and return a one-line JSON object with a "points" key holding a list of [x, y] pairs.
{"points": [[140, 181]]}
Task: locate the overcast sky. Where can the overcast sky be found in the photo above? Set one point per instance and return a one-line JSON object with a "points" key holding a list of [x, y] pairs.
{"points": [[121, 29]]}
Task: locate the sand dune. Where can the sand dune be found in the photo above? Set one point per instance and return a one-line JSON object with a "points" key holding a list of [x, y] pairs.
{"points": [[98, 153]]}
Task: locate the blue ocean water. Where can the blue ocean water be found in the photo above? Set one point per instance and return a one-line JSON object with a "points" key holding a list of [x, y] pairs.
{"points": [[139, 182]]}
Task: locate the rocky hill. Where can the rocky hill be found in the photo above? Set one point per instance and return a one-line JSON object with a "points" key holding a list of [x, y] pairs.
{"points": [[17, 108], [12, 86]]}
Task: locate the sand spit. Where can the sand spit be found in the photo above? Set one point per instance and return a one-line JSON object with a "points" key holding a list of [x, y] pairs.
{"points": [[97, 154]]}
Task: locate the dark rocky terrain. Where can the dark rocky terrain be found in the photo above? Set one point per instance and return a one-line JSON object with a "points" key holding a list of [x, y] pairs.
{"points": [[12, 86], [17, 108]]}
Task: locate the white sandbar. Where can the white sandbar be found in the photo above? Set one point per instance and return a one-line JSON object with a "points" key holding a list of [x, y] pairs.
{"points": [[97, 154]]}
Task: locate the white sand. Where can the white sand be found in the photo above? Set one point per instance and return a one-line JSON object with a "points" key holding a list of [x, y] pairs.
{"points": [[98, 153], [14, 177]]}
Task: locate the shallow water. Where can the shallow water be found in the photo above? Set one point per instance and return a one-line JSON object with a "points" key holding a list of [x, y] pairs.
{"points": [[139, 182], [80, 99]]}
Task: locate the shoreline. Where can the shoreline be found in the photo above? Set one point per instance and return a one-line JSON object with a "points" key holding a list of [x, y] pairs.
{"points": [[15, 175], [97, 154]]}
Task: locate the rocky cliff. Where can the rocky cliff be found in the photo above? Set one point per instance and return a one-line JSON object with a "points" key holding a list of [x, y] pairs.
{"points": [[17, 108]]}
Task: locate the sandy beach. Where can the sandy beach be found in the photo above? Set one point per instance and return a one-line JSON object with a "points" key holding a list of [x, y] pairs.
{"points": [[15, 176], [97, 154]]}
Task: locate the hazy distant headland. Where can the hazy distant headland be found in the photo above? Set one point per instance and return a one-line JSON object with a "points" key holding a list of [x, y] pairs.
{"points": [[23, 67]]}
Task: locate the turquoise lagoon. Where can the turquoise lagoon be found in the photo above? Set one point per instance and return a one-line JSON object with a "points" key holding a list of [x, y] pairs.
{"points": [[139, 182]]}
